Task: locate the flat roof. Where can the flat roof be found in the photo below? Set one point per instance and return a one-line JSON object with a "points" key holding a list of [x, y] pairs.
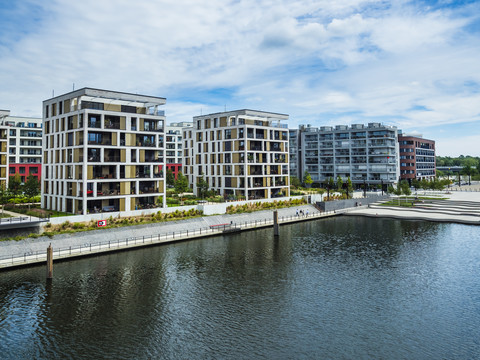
{"points": [[114, 95], [247, 112]]}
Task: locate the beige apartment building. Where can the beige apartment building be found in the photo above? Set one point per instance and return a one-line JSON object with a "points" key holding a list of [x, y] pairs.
{"points": [[241, 154], [103, 151]]}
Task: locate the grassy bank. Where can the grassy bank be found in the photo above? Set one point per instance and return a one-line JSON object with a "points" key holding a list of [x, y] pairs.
{"points": [[73, 227]]}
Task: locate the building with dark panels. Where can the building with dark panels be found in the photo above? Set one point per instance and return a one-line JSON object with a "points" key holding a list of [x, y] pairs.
{"points": [[367, 154], [417, 157]]}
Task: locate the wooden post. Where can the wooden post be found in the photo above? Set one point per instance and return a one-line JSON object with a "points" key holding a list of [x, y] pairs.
{"points": [[275, 223], [50, 262]]}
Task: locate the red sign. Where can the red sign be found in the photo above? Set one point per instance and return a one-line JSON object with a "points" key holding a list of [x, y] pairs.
{"points": [[101, 223]]}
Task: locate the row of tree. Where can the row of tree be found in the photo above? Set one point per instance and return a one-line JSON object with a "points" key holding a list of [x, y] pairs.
{"points": [[458, 161], [15, 189]]}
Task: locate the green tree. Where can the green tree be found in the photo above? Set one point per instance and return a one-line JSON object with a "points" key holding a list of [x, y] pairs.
{"points": [[339, 183], [424, 184], [349, 188], [469, 168], [295, 182], [405, 189], [307, 179], [416, 184], [202, 187], [181, 184], [31, 187], [170, 177], [4, 196], [15, 186], [330, 186], [398, 191]]}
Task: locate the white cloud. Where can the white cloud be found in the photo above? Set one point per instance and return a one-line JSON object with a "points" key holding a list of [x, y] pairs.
{"points": [[320, 61]]}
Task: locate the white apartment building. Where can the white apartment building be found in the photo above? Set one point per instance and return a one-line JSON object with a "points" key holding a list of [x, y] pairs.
{"points": [[241, 154], [24, 146], [103, 151], [174, 145], [295, 152], [366, 153], [3, 151]]}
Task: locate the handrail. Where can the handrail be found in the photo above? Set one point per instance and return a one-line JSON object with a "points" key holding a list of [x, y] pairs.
{"points": [[105, 246]]}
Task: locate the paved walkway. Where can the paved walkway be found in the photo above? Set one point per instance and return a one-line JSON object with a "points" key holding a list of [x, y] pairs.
{"points": [[30, 251], [461, 207]]}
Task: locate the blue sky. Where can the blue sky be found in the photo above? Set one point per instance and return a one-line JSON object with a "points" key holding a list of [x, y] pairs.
{"points": [[412, 64]]}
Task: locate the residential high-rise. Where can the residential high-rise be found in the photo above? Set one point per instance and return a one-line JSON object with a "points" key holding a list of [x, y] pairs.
{"points": [[174, 146], [295, 152], [3, 151], [240, 154], [365, 154], [103, 151], [24, 146], [417, 157]]}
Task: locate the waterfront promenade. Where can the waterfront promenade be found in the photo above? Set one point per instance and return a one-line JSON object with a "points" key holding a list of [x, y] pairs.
{"points": [[461, 207], [33, 251]]}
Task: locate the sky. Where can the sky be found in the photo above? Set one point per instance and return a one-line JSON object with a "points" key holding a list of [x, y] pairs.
{"points": [[411, 64]]}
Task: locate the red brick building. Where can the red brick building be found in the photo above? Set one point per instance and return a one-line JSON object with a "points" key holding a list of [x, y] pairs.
{"points": [[417, 157]]}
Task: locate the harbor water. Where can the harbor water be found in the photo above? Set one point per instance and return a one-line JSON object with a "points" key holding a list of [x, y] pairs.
{"points": [[337, 288]]}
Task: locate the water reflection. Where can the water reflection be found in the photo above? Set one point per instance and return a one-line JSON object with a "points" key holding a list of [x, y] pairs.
{"points": [[352, 287]]}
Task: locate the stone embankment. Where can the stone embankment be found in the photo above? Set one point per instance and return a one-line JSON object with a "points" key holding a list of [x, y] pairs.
{"points": [[33, 251]]}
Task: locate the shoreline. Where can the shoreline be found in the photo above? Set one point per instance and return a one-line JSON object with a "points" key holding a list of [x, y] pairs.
{"points": [[32, 251]]}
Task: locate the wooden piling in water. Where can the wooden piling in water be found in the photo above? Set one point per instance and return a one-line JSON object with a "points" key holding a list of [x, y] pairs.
{"points": [[50, 262], [275, 224]]}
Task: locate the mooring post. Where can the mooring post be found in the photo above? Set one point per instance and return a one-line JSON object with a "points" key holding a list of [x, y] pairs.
{"points": [[275, 223], [50, 262]]}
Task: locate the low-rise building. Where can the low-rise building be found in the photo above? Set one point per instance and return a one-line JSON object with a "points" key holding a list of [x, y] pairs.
{"points": [[103, 151], [240, 154]]}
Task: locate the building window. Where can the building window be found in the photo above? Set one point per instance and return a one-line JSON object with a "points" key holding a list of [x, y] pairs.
{"points": [[22, 170]]}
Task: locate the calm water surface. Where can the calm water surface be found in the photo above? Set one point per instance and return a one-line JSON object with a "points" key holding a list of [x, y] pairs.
{"points": [[343, 288]]}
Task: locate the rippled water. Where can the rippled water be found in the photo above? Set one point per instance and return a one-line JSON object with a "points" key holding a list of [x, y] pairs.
{"points": [[343, 288]]}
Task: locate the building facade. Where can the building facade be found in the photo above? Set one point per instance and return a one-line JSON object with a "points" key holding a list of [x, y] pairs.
{"points": [[3, 151], [367, 154], [295, 152], [24, 146], [417, 158], [174, 146], [103, 151], [240, 154]]}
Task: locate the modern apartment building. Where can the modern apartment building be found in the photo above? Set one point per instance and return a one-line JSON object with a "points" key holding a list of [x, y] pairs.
{"points": [[295, 152], [417, 157], [3, 151], [241, 153], [24, 146], [367, 154], [103, 151], [174, 146]]}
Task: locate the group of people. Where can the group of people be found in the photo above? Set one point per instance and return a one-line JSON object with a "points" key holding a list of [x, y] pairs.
{"points": [[302, 213]]}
